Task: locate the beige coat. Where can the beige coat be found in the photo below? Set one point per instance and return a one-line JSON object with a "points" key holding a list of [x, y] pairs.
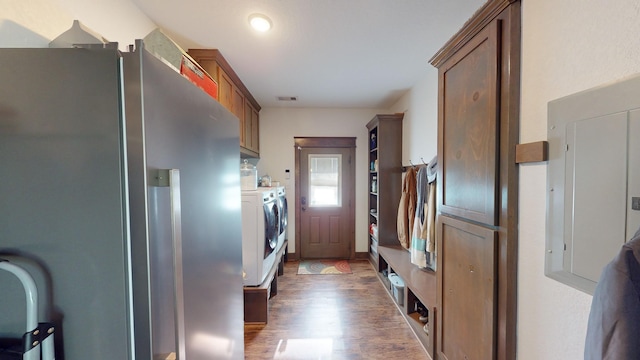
{"points": [[407, 208]]}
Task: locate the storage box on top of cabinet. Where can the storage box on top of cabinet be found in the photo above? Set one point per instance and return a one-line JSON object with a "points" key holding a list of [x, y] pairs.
{"points": [[160, 45]]}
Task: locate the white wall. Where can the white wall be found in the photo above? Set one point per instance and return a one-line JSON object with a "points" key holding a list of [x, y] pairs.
{"points": [[34, 23], [420, 122], [22, 23], [567, 46], [278, 127]]}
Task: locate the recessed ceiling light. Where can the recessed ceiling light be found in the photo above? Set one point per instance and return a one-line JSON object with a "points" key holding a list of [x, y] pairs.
{"points": [[260, 22]]}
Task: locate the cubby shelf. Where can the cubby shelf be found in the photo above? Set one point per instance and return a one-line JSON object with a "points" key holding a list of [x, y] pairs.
{"points": [[420, 286]]}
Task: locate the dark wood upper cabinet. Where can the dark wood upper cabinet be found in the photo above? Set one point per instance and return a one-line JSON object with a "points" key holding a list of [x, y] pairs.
{"points": [[477, 235], [234, 96]]}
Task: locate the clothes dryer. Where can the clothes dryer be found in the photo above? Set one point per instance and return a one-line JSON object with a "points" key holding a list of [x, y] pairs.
{"points": [[284, 213]]}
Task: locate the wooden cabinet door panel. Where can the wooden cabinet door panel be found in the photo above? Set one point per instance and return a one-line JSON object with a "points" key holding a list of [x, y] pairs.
{"points": [[467, 290], [245, 129], [255, 131], [469, 130], [250, 128], [225, 89], [237, 104], [237, 108]]}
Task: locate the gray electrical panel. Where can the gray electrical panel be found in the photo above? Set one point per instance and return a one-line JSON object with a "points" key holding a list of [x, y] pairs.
{"points": [[593, 180]]}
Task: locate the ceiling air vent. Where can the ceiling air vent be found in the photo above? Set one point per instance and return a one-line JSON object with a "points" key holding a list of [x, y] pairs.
{"points": [[287, 98]]}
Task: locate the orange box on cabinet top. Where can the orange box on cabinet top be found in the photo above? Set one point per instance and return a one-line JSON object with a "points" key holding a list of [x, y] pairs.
{"points": [[198, 76]]}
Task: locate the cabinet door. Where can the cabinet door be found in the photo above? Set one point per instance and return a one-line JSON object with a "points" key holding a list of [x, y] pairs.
{"points": [[251, 127], [225, 89], [466, 290], [255, 131], [237, 103], [237, 108], [468, 129]]}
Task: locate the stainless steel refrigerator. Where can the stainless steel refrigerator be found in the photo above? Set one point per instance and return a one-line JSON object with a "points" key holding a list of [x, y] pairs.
{"points": [[120, 191]]}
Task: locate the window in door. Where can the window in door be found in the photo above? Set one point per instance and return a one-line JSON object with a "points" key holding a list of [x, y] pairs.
{"points": [[325, 180]]}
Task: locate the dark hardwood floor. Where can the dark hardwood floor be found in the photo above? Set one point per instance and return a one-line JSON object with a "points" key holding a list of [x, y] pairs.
{"points": [[334, 317]]}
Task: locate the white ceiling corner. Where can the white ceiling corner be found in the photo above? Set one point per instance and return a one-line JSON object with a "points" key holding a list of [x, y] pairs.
{"points": [[328, 53]]}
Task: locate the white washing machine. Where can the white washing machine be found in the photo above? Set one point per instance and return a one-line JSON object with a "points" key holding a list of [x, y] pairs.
{"points": [[260, 231], [283, 213]]}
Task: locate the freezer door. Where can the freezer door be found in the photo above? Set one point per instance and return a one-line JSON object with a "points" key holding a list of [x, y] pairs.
{"points": [[63, 214]]}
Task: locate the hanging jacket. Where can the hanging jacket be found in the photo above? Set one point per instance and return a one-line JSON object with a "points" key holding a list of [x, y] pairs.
{"points": [[614, 320], [430, 221], [418, 235], [407, 208]]}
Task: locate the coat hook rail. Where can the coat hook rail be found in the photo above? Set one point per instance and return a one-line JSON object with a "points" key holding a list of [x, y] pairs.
{"points": [[404, 168]]}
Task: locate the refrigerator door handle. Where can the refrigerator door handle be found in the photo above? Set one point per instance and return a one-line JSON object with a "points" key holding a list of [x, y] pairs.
{"points": [[171, 178]]}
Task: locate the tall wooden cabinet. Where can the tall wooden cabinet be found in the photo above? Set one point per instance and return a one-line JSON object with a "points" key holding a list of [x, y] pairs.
{"points": [[477, 189], [234, 96], [385, 180]]}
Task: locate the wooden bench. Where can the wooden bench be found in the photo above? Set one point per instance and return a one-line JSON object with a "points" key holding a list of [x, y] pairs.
{"points": [[420, 285]]}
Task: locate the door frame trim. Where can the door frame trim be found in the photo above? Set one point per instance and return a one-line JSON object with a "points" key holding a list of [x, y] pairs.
{"points": [[325, 142]]}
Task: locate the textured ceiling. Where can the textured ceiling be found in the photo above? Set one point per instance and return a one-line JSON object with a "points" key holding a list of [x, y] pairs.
{"points": [[328, 53]]}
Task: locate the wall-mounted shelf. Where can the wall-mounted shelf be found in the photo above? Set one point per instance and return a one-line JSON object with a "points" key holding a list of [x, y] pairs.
{"points": [[532, 152]]}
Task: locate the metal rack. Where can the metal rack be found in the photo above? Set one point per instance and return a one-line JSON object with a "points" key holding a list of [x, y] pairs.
{"points": [[38, 340]]}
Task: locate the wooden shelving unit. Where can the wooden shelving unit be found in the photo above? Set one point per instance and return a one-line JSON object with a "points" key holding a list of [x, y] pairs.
{"points": [[385, 179]]}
